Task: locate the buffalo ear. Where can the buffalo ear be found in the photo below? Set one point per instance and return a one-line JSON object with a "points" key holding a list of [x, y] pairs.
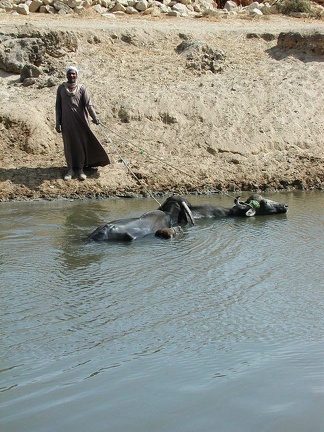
{"points": [[250, 212]]}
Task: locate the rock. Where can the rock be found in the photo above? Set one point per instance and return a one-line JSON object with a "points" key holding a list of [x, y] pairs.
{"points": [[22, 9], [252, 6], [15, 53], [181, 9], [6, 5], [265, 36], [50, 82], [99, 9], [201, 57], [74, 3], [174, 13], [87, 4], [28, 82], [130, 10], [162, 7], [59, 43], [118, 8], [50, 9], [79, 10], [119, 13], [29, 71], [35, 5], [255, 12], [231, 6], [156, 11], [109, 15], [305, 42], [62, 8], [141, 5]]}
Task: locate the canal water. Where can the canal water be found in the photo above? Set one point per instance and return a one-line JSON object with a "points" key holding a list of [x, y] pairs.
{"points": [[219, 329]]}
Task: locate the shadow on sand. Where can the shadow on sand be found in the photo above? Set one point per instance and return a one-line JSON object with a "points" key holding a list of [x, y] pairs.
{"points": [[304, 56], [34, 177]]}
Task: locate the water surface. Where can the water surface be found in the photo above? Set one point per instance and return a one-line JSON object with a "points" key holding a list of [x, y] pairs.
{"points": [[219, 329]]}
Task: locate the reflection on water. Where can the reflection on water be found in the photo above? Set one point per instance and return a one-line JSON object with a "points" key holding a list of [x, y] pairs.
{"points": [[220, 328]]}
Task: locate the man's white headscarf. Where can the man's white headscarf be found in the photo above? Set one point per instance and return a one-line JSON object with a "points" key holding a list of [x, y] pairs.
{"points": [[73, 68]]}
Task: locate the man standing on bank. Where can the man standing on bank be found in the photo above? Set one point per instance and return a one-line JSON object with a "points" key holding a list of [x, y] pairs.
{"points": [[81, 147]]}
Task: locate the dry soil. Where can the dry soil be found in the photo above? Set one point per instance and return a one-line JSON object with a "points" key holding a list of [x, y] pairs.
{"points": [[257, 124]]}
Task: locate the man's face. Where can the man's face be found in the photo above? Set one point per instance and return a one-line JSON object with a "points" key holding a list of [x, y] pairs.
{"points": [[71, 76]]}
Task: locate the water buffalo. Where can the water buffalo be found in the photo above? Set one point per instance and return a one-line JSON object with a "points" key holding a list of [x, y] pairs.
{"points": [[255, 205], [173, 211]]}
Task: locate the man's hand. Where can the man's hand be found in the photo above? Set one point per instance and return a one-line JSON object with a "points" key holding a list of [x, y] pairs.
{"points": [[58, 128], [96, 121]]}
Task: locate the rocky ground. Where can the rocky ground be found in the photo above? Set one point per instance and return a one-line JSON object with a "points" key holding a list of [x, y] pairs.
{"points": [[187, 104]]}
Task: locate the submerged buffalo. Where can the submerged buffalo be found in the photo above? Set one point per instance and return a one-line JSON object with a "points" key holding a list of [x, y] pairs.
{"points": [[255, 205], [158, 222]]}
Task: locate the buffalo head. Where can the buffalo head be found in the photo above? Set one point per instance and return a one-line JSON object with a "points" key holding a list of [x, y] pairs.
{"points": [[264, 206], [256, 205], [178, 209], [242, 208]]}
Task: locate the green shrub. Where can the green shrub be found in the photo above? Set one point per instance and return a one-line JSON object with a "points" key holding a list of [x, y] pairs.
{"points": [[288, 7], [266, 10]]}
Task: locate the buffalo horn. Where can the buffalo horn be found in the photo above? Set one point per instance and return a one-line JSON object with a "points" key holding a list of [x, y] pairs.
{"points": [[240, 204], [188, 212]]}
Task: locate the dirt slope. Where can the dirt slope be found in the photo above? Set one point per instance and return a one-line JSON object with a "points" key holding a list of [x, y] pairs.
{"points": [[255, 123]]}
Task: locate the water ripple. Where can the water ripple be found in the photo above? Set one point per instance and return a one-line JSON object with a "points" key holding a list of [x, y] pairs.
{"points": [[74, 311]]}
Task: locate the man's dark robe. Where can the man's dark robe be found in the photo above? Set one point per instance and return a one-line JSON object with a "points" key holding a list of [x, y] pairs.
{"points": [[81, 147]]}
